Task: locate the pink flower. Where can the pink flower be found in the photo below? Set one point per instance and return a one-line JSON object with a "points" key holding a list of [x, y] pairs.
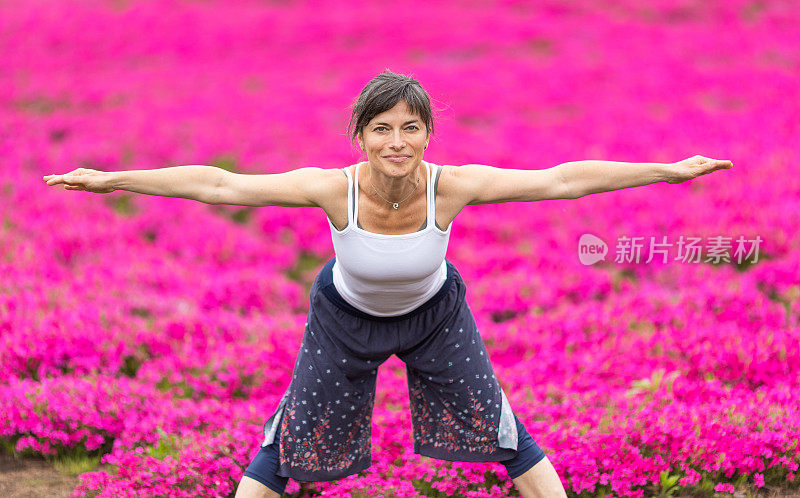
{"points": [[724, 486], [692, 478], [759, 480]]}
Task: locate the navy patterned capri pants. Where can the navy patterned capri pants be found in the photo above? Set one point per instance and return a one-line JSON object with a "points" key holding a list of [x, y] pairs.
{"points": [[321, 428]]}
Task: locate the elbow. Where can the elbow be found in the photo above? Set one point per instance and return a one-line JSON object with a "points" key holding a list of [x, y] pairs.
{"points": [[569, 192], [218, 185], [566, 188]]}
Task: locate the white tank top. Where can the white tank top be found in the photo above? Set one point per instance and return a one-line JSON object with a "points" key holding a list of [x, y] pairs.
{"points": [[388, 275]]}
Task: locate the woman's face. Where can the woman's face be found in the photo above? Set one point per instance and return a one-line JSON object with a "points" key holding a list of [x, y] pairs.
{"points": [[395, 132]]}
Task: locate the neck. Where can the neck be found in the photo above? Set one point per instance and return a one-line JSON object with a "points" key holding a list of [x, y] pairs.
{"points": [[394, 188]]}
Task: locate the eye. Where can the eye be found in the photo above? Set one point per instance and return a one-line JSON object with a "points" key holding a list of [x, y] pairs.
{"points": [[414, 126], [377, 128]]}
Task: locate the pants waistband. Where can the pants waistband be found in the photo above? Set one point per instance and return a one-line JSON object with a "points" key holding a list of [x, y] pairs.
{"points": [[329, 290]]}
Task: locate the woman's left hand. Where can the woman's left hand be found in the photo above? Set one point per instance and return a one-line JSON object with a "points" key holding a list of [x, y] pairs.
{"points": [[695, 166]]}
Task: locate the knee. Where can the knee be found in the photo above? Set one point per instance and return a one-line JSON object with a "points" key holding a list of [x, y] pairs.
{"points": [[528, 453], [251, 488], [261, 476]]}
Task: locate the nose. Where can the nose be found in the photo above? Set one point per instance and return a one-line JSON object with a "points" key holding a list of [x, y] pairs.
{"points": [[397, 140]]}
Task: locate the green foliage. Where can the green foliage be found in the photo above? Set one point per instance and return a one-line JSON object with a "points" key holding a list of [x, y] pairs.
{"points": [[140, 311], [179, 389], [305, 269], [168, 444], [306, 261], [67, 460], [226, 162], [239, 215], [706, 486], [122, 204], [425, 487], [8, 224], [77, 464], [31, 369], [505, 315], [210, 373], [602, 491], [653, 384], [243, 391], [618, 276], [40, 105], [7, 446], [130, 365], [242, 215], [669, 483]]}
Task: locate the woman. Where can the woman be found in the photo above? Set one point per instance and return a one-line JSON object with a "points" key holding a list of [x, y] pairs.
{"points": [[390, 290]]}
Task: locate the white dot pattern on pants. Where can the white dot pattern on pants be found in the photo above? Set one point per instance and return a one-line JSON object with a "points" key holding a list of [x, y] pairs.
{"points": [[457, 397]]}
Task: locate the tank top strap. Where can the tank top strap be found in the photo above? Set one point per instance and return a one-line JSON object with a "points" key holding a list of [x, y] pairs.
{"points": [[428, 198], [431, 212], [349, 196], [354, 205]]}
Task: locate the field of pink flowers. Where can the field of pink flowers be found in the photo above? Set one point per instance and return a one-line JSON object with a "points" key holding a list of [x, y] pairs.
{"points": [[160, 333]]}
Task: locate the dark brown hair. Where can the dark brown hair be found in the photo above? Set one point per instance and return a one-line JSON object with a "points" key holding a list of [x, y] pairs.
{"points": [[384, 92]]}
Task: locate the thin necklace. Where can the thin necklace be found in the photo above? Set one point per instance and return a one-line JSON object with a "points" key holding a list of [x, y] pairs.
{"points": [[394, 204]]}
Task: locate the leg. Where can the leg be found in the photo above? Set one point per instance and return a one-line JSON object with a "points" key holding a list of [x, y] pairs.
{"points": [[472, 423], [458, 409], [541, 481], [261, 479], [325, 429], [250, 488], [531, 471]]}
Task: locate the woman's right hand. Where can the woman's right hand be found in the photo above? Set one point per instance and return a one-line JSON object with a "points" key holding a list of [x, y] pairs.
{"points": [[90, 180]]}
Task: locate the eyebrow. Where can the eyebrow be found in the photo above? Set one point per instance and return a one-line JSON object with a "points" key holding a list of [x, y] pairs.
{"points": [[387, 124]]}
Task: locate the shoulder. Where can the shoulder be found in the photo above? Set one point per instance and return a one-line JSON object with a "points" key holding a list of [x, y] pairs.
{"points": [[454, 177], [477, 184], [327, 186], [455, 183], [452, 192]]}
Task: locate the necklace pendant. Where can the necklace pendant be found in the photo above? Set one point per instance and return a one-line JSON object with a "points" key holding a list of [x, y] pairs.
{"points": [[395, 205]]}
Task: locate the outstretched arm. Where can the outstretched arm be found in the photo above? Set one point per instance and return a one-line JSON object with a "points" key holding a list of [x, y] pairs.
{"points": [[480, 184], [189, 182], [211, 185], [590, 177]]}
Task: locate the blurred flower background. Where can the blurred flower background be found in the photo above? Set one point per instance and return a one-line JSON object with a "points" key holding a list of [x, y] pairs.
{"points": [[145, 340]]}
